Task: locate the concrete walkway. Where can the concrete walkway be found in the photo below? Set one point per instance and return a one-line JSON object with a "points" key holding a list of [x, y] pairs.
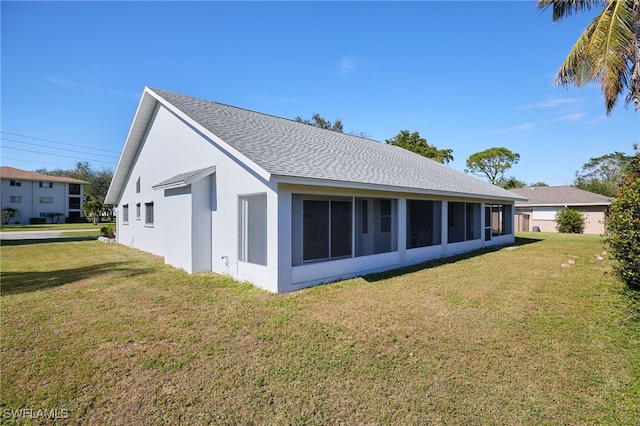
{"points": [[39, 235]]}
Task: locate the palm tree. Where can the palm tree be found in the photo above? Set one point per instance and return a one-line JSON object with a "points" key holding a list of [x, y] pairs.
{"points": [[608, 50], [93, 209]]}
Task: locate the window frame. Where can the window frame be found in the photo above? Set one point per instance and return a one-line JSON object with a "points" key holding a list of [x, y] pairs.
{"points": [[252, 228], [149, 214], [333, 224], [125, 214]]}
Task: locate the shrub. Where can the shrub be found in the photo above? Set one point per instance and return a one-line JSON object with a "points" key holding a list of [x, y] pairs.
{"points": [[623, 224], [37, 220], [570, 221], [108, 231]]}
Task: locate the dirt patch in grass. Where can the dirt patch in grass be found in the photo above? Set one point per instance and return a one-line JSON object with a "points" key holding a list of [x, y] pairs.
{"points": [[114, 336]]}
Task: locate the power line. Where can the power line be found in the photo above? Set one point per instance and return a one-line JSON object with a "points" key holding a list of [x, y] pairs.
{"points": [[61, 149], [39, 163], [57, 155], [61, 143]]}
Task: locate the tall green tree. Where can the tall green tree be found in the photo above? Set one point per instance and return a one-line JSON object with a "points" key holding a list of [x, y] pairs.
{"points": [[411, 141], [511, 183], [492, 163], [93, 209], [319, 121], [99, 179], [608, 50], [604, 174]]}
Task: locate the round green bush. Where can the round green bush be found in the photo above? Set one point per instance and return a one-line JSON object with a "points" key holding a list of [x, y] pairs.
{"points": [[570, 221]]}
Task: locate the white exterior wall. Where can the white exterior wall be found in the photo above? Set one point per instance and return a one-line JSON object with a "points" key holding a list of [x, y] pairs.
{"points": [[30, 206], [172, 147]]}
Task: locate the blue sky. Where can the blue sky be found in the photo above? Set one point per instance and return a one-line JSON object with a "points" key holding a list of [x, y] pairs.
{"points": [[467, 75]]}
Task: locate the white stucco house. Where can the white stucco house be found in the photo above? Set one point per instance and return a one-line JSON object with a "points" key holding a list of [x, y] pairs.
{"points": [[286, 205], [36, 195]]}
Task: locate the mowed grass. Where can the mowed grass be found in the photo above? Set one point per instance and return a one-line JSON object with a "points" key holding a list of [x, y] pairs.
{"points": [[113, 336], [54, 226]]}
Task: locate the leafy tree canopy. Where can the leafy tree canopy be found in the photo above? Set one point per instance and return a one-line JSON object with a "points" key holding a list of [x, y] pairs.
{"points": [[412, 141], [319, 121], [99, 180], [511, 183], [607, 51], [604, 174], [492, 163]]}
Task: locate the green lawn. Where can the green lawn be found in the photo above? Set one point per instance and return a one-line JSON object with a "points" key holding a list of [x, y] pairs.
{"points": [[54, 227], [109, 335]]}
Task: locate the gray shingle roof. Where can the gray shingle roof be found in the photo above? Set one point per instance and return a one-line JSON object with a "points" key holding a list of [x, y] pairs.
{"points": [[288, 148], [559, 195], [184, 178]]}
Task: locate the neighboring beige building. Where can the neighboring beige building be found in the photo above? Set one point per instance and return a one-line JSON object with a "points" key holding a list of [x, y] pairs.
{"points": [[35, 195], [545, 201]]}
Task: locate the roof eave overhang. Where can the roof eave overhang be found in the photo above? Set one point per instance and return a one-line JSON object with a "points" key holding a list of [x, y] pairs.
{"points": [[186, 182], [146, 109], [292, 180], [562, 204]]}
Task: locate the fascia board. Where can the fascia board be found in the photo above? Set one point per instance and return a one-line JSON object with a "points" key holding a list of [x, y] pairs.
{"points": [[180, 184], [562, 204], [144, 112], [387, 188]]}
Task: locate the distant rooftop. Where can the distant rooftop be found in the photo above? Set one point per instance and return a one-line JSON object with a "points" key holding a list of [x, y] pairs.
{"points": [[7, 172], [559, 195]]}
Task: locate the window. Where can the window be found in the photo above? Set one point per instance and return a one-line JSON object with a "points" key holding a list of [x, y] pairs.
{"points": [[74, 203], [15, 199], [252, 228], [138, 211], [545, 213], [463, 221], [501, 219], [365, 216], [46, 200], [15, 183], [74, 189], [424, 220], [125, 213], [148, 214], [45, 184], [138, 186], [326, 229], [385, 215]]}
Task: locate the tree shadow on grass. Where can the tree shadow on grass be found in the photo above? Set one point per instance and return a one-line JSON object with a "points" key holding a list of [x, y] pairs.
{"points": [[379, 276], [45, 240], [24, 282]]}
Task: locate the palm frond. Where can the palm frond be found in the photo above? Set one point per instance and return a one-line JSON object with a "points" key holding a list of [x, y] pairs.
{"points": [[604, 52], [564, 8]]}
